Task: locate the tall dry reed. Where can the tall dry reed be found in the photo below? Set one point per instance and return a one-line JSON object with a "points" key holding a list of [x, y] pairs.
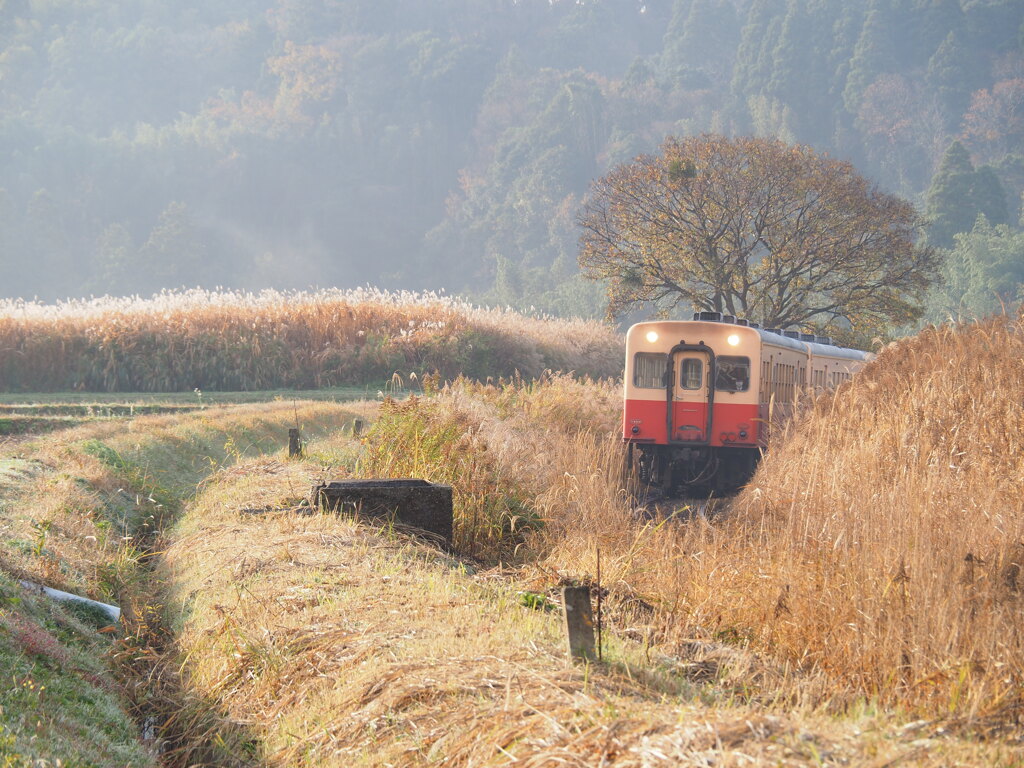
{"points": [[886, 530], [880, 543], [243, 341]]}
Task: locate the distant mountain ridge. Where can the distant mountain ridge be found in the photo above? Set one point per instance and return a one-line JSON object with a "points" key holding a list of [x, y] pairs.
{"points": [[290, 143]]}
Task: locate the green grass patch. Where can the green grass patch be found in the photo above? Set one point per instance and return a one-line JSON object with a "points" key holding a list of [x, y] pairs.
{"points": [[141, 401], [39, 413], [57, 698]]}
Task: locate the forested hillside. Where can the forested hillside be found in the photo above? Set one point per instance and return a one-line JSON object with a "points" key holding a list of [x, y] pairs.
{"points": [[250, 143]]}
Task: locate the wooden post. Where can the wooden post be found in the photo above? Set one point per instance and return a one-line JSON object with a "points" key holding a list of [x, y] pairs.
{"points": [[599, 638], [294, 445], [357, 427], [579, 622]]}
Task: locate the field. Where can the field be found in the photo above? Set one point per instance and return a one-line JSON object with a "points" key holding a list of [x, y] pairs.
{"points": [[28, 414], [858, 603], [208, 341]]}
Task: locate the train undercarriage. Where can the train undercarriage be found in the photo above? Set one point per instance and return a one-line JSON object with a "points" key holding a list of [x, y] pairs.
{"points": [[693, 470]]}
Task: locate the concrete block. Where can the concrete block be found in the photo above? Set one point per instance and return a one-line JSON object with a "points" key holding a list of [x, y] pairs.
{"points": [[411, 502]]}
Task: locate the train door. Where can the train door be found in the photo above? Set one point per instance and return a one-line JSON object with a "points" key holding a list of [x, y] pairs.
{"points": [[690, 387]]}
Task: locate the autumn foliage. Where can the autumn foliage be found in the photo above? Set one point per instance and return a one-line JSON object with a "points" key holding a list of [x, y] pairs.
{"points": [[755, 227]]}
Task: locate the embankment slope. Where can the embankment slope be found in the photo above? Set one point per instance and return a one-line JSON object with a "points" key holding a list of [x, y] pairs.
{"points": [[887, 528]]}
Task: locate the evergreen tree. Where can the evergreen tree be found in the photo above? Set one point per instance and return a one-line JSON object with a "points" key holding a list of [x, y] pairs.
{"points": [[989, 196], [792, 55], [982, 274], [948, 197], [705, 43], [939, 18], [958, 193], [174, 256], [241, 103], [993, 25], [799, 76], [872, 56], [673, 56], [754, 58], [948, 209], [116, 270], [904, 31], [950, 78], [639, 73], [847, 21]]}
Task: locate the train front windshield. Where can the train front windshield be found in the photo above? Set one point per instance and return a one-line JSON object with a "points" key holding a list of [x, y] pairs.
{"points": [[733, 374]]}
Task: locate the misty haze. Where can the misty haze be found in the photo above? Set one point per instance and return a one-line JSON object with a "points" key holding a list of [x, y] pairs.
{"points": [[450, 144]]}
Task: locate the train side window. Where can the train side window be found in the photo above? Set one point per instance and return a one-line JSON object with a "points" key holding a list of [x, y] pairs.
{"points": [[733, 374], [649, 370], [690, 373]]}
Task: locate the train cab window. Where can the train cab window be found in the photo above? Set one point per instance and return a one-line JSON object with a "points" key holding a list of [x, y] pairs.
{"points": [[733, 374], [691, 372], [649, 370]]}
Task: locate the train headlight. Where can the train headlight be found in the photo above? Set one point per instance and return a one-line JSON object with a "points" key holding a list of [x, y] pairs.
{"points": [[652, 336], [733, 340]]}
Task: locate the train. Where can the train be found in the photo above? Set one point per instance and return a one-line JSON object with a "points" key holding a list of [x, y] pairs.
{"points": [[702, 395]]}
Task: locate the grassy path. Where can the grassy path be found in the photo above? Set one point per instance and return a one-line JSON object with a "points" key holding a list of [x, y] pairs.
{"points": [[78, 512]]}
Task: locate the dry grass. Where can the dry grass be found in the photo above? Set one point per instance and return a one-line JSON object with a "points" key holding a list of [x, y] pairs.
{"points": [[495, 444], [74, 503], [888, 528], [878, 549], [235, 341], [335, 644], [875, 557]]}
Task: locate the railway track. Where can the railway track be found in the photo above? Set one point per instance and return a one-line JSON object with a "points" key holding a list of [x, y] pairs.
{"points": [[656, 505]]}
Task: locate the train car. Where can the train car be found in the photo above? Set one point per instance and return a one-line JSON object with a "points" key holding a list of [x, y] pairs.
{"points": [[702, 395]]}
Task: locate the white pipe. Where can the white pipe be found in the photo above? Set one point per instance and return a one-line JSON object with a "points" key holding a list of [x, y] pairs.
{"points": [[111, 610]]}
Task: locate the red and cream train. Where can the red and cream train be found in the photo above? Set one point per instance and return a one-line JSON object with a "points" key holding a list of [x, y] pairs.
{"points": [[701, 395]]}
